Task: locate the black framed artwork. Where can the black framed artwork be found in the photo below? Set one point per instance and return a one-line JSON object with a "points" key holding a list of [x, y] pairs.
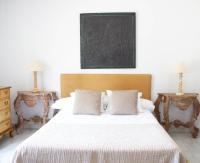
{"points": [[108, 40]]}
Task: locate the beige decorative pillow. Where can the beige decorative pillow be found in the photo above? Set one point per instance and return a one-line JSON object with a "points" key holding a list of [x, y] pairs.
{"points": [[123, 102], [87, 102]]}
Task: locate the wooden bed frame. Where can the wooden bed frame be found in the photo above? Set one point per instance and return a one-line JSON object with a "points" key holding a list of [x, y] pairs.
{"points": [[141, 82]]}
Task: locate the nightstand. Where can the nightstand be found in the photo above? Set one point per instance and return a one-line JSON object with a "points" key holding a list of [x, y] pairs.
{"points": [[31, 99], [182, 102]]}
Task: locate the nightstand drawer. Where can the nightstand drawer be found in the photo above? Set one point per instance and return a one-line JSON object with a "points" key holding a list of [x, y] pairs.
{"points": [[4, 93], [4, 114], [4, 103], [5, 126]]}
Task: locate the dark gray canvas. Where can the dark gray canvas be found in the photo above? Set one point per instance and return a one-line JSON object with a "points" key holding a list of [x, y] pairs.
{"points": [[107, 40]]}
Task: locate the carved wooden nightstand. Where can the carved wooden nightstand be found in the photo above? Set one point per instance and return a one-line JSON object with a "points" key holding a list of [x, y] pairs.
{"points": [[182, 102], [30, 99]]}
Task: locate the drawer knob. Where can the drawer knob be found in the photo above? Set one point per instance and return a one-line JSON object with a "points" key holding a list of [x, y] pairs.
{"points": [[5, 102]]}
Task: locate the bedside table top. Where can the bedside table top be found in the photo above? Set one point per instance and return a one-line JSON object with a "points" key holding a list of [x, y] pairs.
{"points": [[1, 87], [35, 93], [185, 95]]}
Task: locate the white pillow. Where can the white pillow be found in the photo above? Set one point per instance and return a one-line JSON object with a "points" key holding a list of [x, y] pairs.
{"points": [[145, 105], [61, 103], [109, 92], [65, 104], [72, 94]]}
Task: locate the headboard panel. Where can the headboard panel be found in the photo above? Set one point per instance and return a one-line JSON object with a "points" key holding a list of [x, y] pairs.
{"points": [[141, 82]]}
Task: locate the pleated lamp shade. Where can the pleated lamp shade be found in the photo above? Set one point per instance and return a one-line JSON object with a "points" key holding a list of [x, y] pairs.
{"points": [[36, 66], [180, 68]]}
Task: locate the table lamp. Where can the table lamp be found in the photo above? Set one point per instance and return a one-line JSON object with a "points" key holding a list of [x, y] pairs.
{"points": [[35, 67], [180, 70]]}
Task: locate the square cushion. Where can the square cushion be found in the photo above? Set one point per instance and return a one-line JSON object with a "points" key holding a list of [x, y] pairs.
{"points": [[123, 102], [87, 102]]}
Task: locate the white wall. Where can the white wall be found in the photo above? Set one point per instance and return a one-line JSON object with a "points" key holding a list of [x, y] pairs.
{"points": [[168, 32]]}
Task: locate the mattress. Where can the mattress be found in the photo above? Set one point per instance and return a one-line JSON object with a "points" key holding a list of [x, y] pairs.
{"points": [[69, 138]]}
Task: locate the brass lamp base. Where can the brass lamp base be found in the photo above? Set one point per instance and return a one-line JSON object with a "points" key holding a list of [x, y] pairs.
{"points": [[180, 85], [179, 93], [35, 87], [35, 90]]}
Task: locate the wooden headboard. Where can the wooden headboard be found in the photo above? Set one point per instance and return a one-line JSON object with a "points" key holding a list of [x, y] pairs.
{"points": [[141, 82]]}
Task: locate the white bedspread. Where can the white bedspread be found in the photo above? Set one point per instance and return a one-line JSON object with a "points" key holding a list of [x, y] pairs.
{"points": [[107, 138]]}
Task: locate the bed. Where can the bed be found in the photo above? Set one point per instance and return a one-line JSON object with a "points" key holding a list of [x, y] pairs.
{"points": [[69, 138]]}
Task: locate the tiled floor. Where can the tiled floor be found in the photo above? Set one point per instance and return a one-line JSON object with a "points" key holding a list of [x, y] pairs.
{"points": [[189, 146], [8, 145]]}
